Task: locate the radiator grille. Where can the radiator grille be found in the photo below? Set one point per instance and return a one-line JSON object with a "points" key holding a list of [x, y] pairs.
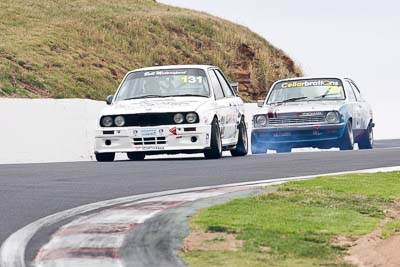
{"points": [[147, 141], [296, 120]]}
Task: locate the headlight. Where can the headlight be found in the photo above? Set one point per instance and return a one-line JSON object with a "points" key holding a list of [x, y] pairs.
{"points": [[261, 121], [119, 121], [178, 118], [106, 121], [332, 117], [191, 117]]}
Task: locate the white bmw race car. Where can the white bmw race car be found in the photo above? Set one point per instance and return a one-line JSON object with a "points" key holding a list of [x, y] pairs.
{"points": [[171, 110]]}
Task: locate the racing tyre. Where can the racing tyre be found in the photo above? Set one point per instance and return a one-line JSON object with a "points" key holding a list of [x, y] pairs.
{"points": [[367, 139], [105, 157], [242, 146], [215, 151], [136, 156], [347, 141]]}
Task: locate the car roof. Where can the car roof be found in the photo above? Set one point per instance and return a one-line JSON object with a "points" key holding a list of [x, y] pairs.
{"points": [[313, 78], [169, 67]]}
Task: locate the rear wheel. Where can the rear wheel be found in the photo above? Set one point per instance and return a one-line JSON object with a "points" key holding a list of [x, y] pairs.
{"points": [[347, 141], [105, 157], [215, 151], [136, 156], [367, 139], [242, 146]]}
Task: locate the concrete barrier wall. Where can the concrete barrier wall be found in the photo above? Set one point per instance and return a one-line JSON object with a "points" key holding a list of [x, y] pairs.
{"points": [[52, 130], [47, 130]]}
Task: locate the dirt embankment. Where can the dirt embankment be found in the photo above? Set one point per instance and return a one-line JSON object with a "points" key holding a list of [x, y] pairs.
{"points": [[205, 241], [374, 251]]}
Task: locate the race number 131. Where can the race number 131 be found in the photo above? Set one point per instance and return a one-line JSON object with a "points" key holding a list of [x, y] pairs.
{"points": [[192, 79]]}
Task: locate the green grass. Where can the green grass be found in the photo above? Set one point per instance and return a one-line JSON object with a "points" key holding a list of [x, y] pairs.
{"points": [[299, 221], [83, 48], [390, 228]]}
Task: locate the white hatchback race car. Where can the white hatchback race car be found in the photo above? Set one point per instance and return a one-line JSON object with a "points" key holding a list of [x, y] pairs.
{"points": [[172, 110]]}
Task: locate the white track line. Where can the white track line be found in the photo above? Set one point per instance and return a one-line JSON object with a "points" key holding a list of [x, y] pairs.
{"points": [[12, 252]]}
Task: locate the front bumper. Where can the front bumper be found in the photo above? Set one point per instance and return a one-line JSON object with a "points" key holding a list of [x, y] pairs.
{"points": [[153, 140], [297, 136]]}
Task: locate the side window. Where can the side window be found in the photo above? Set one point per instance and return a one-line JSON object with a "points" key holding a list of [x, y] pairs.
{"points": [[349, 92], [218, 92], [357, 92], [225, 86]]}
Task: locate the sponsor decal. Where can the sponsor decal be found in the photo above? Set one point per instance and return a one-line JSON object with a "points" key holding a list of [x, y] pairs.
{"points": [[164, 73], [282, 134], [152, 148], [311, 114], [148, 133], [173, 131], [310, 83], [191, 74]]}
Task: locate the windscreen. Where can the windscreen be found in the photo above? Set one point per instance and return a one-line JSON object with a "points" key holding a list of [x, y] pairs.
{"points": [[307, 90], [164, 83]]}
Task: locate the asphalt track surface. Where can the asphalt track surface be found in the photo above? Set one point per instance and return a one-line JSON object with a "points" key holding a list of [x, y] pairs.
{"points": [[31, 191]]}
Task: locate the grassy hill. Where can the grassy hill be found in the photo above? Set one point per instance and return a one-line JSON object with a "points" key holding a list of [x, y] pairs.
{"points": [[83, 48]]}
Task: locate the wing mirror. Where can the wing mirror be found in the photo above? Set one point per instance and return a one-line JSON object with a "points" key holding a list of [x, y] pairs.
{"points": [[235, 87], [260, 103], [109, 99]]}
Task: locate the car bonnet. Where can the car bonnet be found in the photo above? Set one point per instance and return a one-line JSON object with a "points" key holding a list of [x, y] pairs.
{"points": [[310, 106], [163, 105]]}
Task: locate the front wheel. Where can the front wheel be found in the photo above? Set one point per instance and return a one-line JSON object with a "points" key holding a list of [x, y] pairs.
{"points": [[347, 141], [242, 146], [215, 151], [367, 139], [105, 157], [136, 156]]}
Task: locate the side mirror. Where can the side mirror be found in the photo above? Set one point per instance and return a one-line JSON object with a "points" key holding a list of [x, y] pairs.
{"points": [[235, 87], [260, 103], [109, 99]]}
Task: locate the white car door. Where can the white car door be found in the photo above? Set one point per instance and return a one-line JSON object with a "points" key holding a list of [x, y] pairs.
{"points": [[363, 108], [233, 116], [222, 106], [353, 105]]}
